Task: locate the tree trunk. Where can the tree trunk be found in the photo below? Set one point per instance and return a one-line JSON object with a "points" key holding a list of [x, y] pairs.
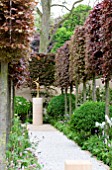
{"points": [[9, 109], [107, 97], [70, 101], [12, 100], [45, 25], [84, 91], [94, 88], [62, 91], [3, 112], [66, 104], [107, 108], [76, 96]]}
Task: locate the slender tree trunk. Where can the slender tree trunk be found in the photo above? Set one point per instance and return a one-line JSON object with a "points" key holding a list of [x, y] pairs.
{"points": [[12, 100], [66, 104], [70, 101], [9, 109], [62, 91], [94, 88], [3, 112], [107, 97], [45, 25], [84, 91], [76, 96], [107, 108]]}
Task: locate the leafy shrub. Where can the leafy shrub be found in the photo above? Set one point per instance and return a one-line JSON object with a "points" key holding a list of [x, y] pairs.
{"points": [[22, 108], [84, 118], [56, 106], [99, 148], [19, 150]]}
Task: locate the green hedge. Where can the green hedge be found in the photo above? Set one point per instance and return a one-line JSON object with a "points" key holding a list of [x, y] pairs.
{"points": [[84, 118], [56, 106]]}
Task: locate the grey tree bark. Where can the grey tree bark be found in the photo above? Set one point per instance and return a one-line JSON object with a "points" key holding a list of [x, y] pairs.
{"points": [[45, 15], [12, 101], [45, 25], [66, 103], [84, 91], [76, 96], [94, 88], [3, 112], [107, 97], [70, 100]]}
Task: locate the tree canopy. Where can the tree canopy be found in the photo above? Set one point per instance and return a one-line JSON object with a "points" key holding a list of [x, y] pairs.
{"points": [[64, 33]]}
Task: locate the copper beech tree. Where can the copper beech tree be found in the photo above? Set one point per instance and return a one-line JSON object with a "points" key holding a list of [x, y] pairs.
{"points": [[99, 42], [62, 69], [16, 27], [77, 59], [93, 45]]}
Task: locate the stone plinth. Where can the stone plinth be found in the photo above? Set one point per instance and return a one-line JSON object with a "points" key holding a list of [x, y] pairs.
{"points": [[37, 111], [78, 165]]}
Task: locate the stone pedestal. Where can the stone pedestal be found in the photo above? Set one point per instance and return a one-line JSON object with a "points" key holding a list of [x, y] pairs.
{"points": [[37, 111], [78, 165]]}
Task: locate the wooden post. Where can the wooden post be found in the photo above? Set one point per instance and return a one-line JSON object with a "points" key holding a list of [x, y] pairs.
{"points": [[78, 165]]}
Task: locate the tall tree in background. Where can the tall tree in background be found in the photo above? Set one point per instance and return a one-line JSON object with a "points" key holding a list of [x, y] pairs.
{"points": [[45, 15], [64, 33]]}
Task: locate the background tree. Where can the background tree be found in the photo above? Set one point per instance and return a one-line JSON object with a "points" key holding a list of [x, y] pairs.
{"points": [[42, 66], [65, 31], [77, 57], [45, 15], [93, 45], [62, 69]]}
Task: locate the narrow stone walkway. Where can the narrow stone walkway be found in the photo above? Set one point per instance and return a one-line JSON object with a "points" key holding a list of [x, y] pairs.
{"points": [[54, 149]]}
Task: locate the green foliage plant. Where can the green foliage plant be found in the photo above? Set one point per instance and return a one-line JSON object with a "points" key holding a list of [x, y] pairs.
{"points": [[98, 148], [84, 118], [19, 152], [64, 33], [56, 107], [22, 107]]}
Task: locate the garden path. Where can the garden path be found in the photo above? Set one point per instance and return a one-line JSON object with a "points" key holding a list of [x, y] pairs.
{"points": [[54, 149]]}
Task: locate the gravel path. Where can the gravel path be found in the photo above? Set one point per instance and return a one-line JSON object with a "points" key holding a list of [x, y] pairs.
{"points": [[54, 149]]}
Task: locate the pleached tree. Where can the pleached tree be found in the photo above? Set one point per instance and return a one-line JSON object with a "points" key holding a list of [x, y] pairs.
{"points": [[16, 26], [106, 46], [93, 45], [62, 70], [77, 59]]}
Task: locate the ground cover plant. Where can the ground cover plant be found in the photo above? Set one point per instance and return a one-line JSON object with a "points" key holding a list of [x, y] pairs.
{"points": [[19, 152]]}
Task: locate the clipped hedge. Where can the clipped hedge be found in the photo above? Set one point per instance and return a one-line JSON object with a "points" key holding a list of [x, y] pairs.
{"points": [[56, 106], [84, 118]]}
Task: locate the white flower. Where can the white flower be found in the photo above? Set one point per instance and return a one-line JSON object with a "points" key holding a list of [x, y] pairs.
{"points": [[108, 120], [102, 125], [97, 124]]}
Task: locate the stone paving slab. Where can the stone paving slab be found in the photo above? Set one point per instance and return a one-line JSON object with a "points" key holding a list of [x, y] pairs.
{"points": [[44, 127], [54, 149]]}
